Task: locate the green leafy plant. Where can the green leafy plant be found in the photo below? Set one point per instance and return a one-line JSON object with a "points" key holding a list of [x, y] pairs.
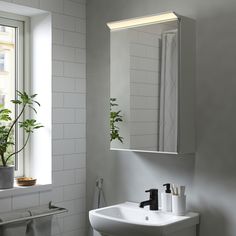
{"points": [[7, 126], [115, 117]]}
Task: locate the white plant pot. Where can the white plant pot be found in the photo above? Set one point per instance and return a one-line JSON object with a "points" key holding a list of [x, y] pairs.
{"points": [[6, 177]]}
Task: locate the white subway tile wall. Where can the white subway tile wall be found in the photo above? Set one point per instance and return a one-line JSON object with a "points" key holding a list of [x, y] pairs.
{"points": [[69, 92]]}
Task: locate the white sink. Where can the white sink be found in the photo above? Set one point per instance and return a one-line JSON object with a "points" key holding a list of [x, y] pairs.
{"points": [[127, 219]]}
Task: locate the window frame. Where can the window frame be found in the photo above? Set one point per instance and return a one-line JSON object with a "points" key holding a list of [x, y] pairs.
{"points": [[22, 72]]}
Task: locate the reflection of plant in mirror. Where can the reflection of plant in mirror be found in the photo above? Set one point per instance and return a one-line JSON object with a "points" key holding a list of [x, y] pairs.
{"points": [[115, 117]]}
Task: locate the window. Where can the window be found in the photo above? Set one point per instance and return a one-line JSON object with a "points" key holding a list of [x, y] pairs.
{"points": [[33, 62], [2, 61], [12, 76]]}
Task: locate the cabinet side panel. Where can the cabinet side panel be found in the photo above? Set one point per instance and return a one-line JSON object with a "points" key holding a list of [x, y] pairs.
{"points": [[186, 135]]}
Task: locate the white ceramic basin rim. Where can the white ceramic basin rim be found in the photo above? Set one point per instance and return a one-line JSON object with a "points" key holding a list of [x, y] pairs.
{"points": [[128, 217]]}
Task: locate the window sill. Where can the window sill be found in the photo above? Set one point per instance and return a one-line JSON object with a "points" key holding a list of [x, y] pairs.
{"points": [[17, 190]]}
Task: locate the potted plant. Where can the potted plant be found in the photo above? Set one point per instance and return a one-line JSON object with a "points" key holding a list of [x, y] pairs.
{"points": [[8, 149]]}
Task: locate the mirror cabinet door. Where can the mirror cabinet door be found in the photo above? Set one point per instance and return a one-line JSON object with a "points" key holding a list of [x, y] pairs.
{"points": [[144, 79]]}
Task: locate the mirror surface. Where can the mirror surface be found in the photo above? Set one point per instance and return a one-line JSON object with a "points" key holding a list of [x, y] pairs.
{"points": [[144, 87]]}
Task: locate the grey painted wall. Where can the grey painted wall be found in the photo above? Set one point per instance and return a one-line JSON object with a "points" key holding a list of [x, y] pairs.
{"points": [[210, 177]]}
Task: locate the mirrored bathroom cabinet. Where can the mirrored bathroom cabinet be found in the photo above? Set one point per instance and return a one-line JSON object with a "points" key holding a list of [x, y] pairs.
{"points": [[152, 74]]}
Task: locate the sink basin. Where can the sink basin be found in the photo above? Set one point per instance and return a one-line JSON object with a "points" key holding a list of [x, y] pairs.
{"points": [[127, 219]]}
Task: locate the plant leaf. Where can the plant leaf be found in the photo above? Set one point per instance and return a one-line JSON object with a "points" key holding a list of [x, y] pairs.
{"points": [[16, 101]]}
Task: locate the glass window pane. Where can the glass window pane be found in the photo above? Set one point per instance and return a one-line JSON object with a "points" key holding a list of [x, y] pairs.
{"points": [[7, 74]]}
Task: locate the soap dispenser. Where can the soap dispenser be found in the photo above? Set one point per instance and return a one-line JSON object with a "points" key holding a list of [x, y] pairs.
{"points": [[166, 198]]}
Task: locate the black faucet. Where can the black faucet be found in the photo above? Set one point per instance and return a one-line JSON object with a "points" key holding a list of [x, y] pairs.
{"points": [[153, 202]]}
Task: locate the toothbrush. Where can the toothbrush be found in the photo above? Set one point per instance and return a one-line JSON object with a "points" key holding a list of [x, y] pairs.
{"points": [[177, 190], [181, 190], [174, 189]]}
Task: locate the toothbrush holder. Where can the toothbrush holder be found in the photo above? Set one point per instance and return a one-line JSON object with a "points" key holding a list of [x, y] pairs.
{"points": [[179, 205]]}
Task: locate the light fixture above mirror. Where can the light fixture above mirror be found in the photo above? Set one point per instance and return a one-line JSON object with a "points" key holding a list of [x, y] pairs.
{"points": [[141, 21]]}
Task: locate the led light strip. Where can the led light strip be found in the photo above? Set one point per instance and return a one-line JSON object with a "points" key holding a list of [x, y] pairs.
{"points": [[168, 16]]}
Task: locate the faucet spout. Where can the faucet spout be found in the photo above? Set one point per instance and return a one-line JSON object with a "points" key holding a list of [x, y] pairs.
{"points": [[145, 203]]}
